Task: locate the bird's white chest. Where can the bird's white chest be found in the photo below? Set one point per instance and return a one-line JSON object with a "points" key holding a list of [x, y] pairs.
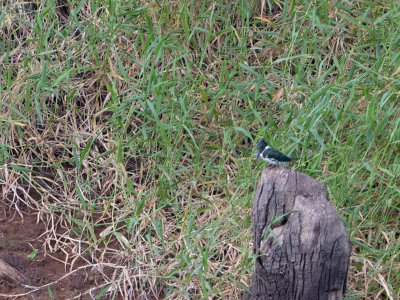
{"points": [[268, 159]]}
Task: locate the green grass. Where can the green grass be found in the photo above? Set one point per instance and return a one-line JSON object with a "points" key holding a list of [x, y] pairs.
{"points": [[136, 123]]}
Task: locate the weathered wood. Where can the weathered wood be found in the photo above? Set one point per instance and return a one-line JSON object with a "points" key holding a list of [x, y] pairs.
{"points": [[9, 273], [304, 255]]}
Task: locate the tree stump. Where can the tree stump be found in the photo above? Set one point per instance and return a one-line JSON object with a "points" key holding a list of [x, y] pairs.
{"points": [[302, 247]]}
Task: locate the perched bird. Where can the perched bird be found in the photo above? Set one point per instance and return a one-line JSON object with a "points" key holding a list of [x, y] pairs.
{"points": [[271, 155]]}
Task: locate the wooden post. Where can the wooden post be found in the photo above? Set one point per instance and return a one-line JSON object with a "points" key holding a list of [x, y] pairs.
{"points": [[302, 247]]}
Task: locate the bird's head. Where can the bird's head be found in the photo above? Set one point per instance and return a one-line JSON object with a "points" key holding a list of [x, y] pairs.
{"points": [[260, 147]]}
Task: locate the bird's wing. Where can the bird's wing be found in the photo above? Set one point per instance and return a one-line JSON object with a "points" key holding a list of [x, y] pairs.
{"points": [[273, 153]]}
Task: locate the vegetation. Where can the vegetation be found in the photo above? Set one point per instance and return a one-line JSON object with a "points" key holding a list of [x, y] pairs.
{"points": [[130, 128]]}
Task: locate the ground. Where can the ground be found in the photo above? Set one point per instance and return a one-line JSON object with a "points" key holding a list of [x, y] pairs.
{"points": [[19, 238], [128, 132]]}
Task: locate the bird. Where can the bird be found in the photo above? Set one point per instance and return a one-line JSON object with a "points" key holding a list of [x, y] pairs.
{"points": [[271, 155]]}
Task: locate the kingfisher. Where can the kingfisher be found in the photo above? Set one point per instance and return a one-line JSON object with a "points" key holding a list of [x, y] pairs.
{"points": [[271, 155]]}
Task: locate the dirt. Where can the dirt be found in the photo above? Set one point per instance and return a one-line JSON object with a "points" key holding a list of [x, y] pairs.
{"points": [[19, 238]]}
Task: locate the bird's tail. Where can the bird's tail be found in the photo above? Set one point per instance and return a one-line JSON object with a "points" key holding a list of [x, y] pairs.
{"points": [[294, 158]]}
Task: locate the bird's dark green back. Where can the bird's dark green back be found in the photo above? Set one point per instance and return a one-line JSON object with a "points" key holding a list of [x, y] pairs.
{"points": [[275, 154]]}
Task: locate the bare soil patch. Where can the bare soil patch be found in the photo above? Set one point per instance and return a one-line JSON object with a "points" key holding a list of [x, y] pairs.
{"points": [[19, 238]]}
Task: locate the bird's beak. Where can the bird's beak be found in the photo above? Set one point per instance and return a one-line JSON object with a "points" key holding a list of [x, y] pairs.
{"points": [[258, 154]]}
